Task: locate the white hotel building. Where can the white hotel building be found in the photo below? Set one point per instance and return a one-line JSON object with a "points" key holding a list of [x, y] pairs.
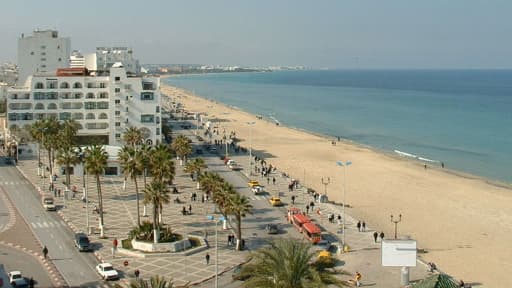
{"points": [[104, 98]]}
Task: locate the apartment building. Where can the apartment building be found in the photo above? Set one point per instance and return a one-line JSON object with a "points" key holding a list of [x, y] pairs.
{"points": [[43, 51], [103, 105]]}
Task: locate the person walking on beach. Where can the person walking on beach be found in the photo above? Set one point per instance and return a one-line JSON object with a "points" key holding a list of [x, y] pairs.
{"points": [[207, 258], [307, 209], [381, 236], [363, 227], [358, 226], [293, 199], [375, 235]]}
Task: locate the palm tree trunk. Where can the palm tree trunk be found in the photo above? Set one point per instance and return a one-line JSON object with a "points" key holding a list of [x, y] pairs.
{"points": [[137, 196], [238, 232], [144, 174], [68, 177], [100, 200], [156, 235]]}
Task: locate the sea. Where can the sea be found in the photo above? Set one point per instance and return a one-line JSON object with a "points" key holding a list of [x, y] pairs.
{"points": [[461, 118]]}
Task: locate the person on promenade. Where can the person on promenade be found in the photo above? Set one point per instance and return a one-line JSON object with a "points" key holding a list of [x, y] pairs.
{"points": [[137, 273], [189, 209], [274, 180], [307, 209], [381, 236], [339, 219], [375, 235], [268, 180], [45, 252], [184, 210], [363, 227], [207, 258], [293, 199], [358, 226]]}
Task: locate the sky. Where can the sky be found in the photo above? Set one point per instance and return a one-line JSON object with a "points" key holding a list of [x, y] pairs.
{"points": [[378, 34]]}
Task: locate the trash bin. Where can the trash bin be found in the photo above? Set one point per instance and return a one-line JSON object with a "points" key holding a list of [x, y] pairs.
{"points": [[323, 199]]}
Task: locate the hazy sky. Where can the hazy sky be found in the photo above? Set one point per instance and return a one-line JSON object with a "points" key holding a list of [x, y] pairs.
{"points": [[321, 33]]}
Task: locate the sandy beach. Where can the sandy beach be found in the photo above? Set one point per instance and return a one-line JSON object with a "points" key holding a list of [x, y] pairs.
{"points": [[465, 223]]}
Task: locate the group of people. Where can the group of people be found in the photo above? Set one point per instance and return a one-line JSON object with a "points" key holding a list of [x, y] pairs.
{"points": [[184, 210], [361, 226], [377, 235]]}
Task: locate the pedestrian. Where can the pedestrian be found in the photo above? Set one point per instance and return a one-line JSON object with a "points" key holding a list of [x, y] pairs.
{"points": [[381, 236], [45, 251], [425, 166], [375, 235], [293, 199], [358, 226], [268, 180], [137, 273], [58, 192], [364, 227], [184, 210], [339, 219], [202, 198], [189, 209], [207, 258], [307, 209], [312, 204], [442, 166], [114, 243], [358, 279], [274, 180], [31, 283], [229, 240]]}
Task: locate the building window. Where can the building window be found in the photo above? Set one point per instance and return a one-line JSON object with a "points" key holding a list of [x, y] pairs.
{"points": [[77, 85], [43, 59], [64, 85], [118, 113], [90, 105], [13, 116], [118, 124], [89, 116], [32, 53], [147, 118], [43, 53], [43, 66], [39, 85], [102, 105], [146, 96], [43, 47], [118, 101], [117, 90], [103, 95], [60, 59], [103, 85], [157, 109], [118, 136], [117, 78], [90, 96], [157, 131], [103, 116]]}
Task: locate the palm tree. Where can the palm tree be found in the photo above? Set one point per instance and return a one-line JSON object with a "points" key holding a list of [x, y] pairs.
{"points": [[132, 136], [95, 164], [286, 264], [157, 194], [131, 163], [182, 147], [154, 282], [195, 166], [68, 157], [145, 153], [67, 133], [239, 206], [37, 133], [209, 182], [161, 164], [51, 139]]}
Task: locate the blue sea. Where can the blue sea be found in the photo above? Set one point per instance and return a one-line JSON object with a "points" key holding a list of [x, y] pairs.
{"points": [[462, 118]]}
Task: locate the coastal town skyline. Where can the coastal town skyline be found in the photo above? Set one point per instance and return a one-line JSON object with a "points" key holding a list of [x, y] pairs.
{"points": [[344, 34]]}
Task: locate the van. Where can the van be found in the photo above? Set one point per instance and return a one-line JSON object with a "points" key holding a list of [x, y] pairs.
{"points": [[82, 242], [48, 203]]}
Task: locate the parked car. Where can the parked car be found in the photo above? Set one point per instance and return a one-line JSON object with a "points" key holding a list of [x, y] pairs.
{"points": [[107, 271], [16, 279], [272, 229], [82, 242], [199, 151], [275, 201], [253, 183]]}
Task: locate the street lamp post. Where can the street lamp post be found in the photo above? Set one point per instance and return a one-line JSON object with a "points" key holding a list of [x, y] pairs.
{"points": [[84, 189], [396, 223], [250, 146], [327, 182], [344, 165], [211, 217]]}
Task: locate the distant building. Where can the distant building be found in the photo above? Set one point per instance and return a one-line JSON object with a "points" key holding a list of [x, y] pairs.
{"points": [[42, 52], [78, 60], [8, 73], [108, 56], [103, 106]]}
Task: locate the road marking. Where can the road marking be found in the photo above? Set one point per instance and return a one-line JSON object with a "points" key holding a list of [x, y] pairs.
{"points": [[62, 223], [39, 224], [51, 224], [33, 225], [45, 224]]}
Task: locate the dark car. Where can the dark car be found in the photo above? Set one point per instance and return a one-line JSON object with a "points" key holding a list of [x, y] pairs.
{"points": [[272, 229], [82, 242], [239, 274], [199, 151]]}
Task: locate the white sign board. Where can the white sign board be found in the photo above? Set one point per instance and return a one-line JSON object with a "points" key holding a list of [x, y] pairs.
{"points": [[398, 253]]}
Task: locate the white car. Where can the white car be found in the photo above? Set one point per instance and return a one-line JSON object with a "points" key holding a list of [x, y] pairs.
{"points": [[107, 271], [16, 278], [257, 189]]}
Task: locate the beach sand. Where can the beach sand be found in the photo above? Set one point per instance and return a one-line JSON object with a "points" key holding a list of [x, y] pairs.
{"points": [[464, 222]]}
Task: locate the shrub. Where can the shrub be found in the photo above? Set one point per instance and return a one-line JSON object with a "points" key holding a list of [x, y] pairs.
{"points": [[126, 244], [195, 242]]}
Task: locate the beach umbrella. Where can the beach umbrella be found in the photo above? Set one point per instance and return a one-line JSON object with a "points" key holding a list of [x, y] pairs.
{"points": [[437, 281]]}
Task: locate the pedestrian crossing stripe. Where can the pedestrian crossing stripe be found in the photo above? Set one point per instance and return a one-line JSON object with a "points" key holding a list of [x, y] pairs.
{"points": [[15, 183], [49, 224]]}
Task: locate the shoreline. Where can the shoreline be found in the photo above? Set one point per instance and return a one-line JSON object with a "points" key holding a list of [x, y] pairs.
{"points": [[389, 153], [461, 220]]}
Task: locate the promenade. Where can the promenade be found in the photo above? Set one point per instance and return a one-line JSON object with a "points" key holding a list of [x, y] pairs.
{"points": [[120, 217]]}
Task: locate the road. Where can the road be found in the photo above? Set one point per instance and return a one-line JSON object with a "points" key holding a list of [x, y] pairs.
{"points": [[14, 259], [76, 268]]}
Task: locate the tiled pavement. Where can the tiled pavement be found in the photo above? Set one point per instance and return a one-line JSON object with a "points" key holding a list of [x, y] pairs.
{"points": [[120, 216]]}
